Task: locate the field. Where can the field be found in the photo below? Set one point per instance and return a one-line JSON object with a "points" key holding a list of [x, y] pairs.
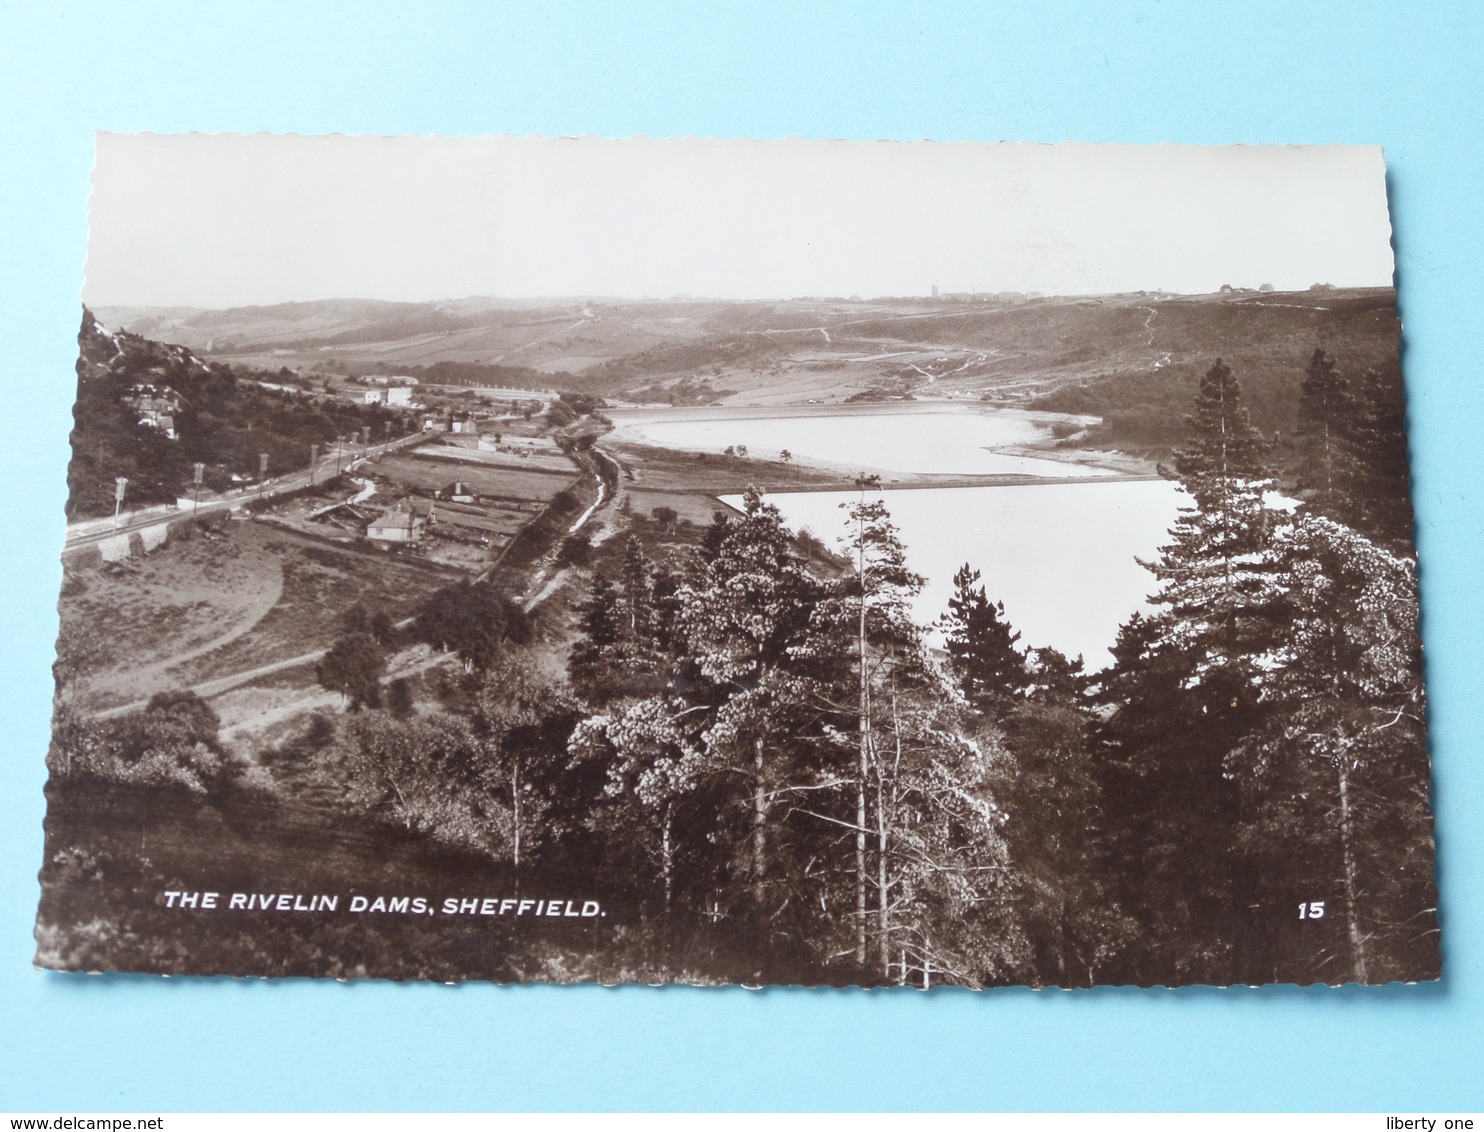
{"points": [[513, 481], [236, 597]]}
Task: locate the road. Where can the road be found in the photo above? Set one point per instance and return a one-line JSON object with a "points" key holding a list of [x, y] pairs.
{"points": [[89, 532], [543, 584]]}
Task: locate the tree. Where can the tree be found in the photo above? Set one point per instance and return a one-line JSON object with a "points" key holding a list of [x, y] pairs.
{"points": [[399, 700], [1336, 779], [739, 623], [353, 667], [981, 644], [1384, 504], [925, 836], [882, 585], [623, 651], [473, 620], [512, 722], [358, 618], [1184, 689], [1326, 419], [1215, 588]]}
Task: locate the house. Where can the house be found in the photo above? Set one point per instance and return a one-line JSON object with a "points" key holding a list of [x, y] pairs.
{"points": [[401, 395], [374, 396], [458, 491], [155, 408], [400, 524]]}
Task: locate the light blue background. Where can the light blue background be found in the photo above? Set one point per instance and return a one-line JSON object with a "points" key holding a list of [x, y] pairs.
{"points": [[1403, 75]]}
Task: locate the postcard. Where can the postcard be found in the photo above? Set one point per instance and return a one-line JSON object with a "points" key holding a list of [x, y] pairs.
{"points": [[739, 562]]}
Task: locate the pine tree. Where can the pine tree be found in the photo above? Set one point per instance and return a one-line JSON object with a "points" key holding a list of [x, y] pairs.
{"points": [[1185, 689], [1326, 419], [882, 588], [1215, 588], [930, 872], [636, 590], [1336, 781], [981, 644], [1384, 505]]}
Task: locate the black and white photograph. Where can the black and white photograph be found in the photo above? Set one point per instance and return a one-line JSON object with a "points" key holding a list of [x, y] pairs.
{"points": [[581, 560]]}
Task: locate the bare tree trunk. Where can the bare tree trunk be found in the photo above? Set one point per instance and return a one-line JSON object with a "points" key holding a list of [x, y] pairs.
{"points": [[882, 923], [1357, 941], [883, 887], [515, 805], [759, 829], [666, 856]]}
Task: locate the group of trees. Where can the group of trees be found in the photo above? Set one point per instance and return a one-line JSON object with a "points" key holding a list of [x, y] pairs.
{"points": [[1243, 794], [779, 752], [173, 743], [472, 620], [1260, 739]]}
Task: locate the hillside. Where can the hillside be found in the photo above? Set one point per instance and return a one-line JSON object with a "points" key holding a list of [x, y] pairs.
{"points": [[148, 411]]}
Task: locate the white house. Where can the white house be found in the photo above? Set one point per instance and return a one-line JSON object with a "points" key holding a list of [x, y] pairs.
{"points": [[398, 524], [374, 396], [399, 396]]}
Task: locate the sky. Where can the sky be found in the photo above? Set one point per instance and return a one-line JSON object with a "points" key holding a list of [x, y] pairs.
{"points": [[228, 220]]}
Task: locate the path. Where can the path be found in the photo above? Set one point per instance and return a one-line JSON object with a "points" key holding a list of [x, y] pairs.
{"points": [[537, 341], [150, 673], [547, 577], [315, 697], [221, 684]]}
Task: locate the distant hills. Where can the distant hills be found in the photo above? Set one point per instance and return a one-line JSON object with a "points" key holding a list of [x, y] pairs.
{"points": [[1133, 358]]}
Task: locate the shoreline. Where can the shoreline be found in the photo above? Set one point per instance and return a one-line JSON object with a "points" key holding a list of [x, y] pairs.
{"points": [[637, 416], [630, 427]]}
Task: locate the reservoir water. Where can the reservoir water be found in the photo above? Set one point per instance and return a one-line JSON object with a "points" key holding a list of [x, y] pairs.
{"points": [[1061, 556], [938, 438]]}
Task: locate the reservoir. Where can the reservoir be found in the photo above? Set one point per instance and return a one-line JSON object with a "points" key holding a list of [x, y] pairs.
{"points": [[1062, 556], [932, 437]]}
